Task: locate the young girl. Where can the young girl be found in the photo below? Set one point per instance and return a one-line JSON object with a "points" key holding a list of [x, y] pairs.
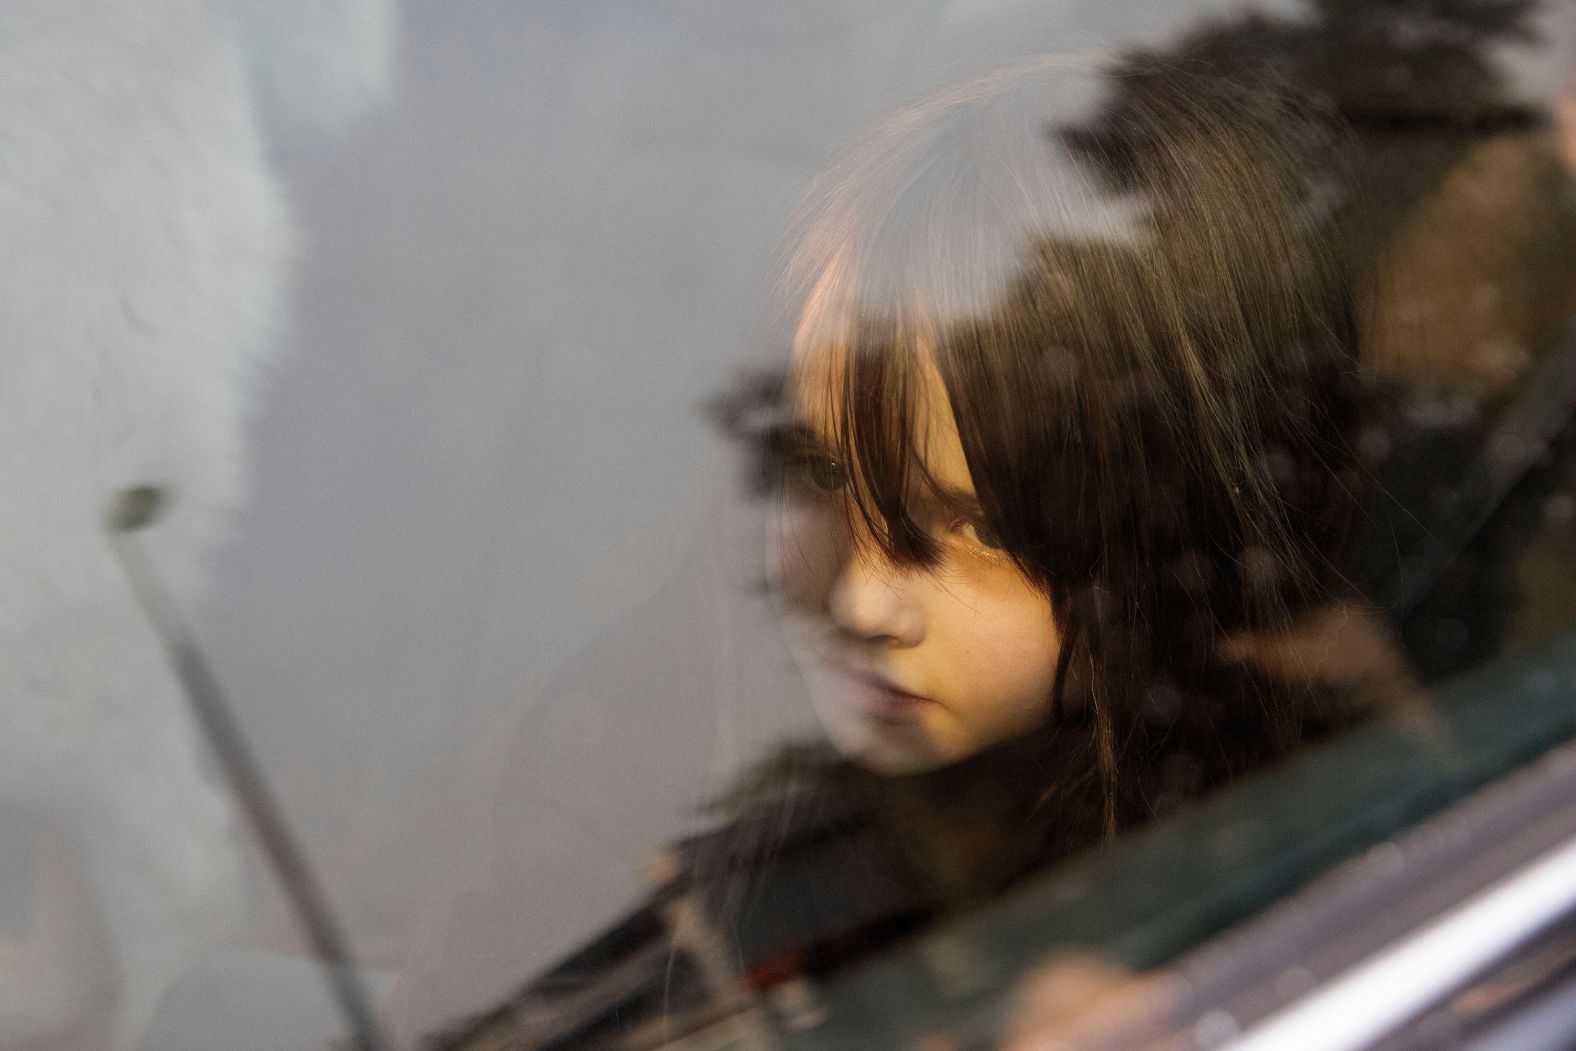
{"points": [[1062, 461], [1062, 475]]}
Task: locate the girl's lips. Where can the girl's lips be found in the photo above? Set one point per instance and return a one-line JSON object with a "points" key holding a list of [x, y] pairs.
{"points": [[880, 699]]}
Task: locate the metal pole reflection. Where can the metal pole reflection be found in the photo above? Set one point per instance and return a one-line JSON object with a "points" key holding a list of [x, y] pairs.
{"points": [[134, 510]]}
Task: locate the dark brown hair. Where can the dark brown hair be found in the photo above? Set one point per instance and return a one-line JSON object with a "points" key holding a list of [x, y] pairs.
{"points": [[1129, 284]]}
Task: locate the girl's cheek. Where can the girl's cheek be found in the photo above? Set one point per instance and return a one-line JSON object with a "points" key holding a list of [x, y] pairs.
{"points": [[1006, 636], [805, 555]]}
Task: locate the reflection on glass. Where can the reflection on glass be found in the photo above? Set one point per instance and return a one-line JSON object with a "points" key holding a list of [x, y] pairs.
{"points": [[1132, 436], [1162, 464]]}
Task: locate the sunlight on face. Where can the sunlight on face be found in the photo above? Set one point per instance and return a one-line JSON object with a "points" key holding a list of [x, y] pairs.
{"points": [[908, 668]]}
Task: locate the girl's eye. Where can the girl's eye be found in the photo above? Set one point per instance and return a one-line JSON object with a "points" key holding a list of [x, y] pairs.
{"points": [[980, 534], [821, 472]]}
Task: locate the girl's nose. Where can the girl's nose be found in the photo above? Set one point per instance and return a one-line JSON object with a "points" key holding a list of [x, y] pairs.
{"points": [[871, 601]]}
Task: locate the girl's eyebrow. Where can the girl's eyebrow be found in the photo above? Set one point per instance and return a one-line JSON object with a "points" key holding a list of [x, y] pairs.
{"points": [[959, 501], [796, 434], [962, 502]]}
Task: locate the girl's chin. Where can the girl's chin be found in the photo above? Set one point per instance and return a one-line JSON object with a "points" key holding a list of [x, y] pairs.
{"points": [[887, 764], [880, 750]]}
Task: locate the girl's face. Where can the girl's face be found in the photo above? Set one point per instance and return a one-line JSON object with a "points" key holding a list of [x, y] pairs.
{"points": [[909, 668]]}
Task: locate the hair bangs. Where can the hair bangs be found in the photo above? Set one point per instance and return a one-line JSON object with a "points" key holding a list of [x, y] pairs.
{"points": [[919, 233], [861, 397]]}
